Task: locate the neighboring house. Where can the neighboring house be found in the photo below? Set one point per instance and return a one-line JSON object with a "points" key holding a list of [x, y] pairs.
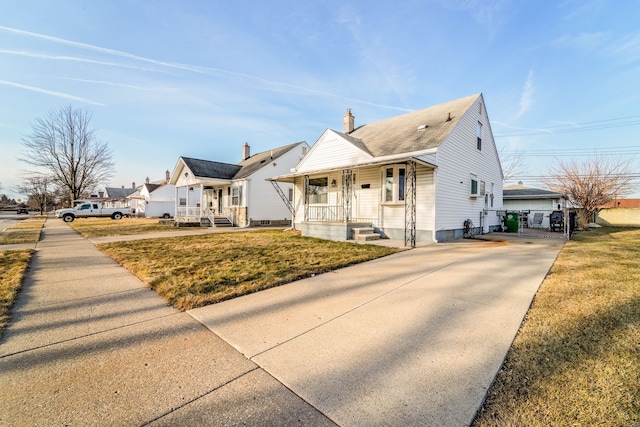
{"points": [[154, 199], [240, 194], [417, 177], [530, 201], [118, 196]]}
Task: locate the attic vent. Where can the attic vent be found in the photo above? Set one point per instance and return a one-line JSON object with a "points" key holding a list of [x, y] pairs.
{"points": [[423, 127]]}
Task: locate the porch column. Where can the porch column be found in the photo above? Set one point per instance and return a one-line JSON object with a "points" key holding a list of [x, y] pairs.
{"points": [[410, 205], [306, 198], [201, 198], [347, 193]]}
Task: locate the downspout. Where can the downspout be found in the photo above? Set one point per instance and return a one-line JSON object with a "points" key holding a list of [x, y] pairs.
{"points": [[435, 206]]}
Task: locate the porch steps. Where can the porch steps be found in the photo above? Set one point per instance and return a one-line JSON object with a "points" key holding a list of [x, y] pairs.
{"points": [[364, 234], [221, 221]]}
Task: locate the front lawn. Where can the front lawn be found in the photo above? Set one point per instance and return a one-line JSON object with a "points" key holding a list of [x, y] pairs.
{"points": [[195, 271]]}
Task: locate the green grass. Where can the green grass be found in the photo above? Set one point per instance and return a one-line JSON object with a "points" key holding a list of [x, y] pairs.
{"points": [[195, 271], [101, 227], [13, 266], [576, 358]]}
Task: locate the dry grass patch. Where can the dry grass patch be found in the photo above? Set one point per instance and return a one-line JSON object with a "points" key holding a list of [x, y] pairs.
{"points": [[576, 358], [195, 271], [101, 227], [26, 231], [13, 265]]}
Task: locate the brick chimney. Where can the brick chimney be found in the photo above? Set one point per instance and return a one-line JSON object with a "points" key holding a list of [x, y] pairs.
{"points": [[348, 121], [246, 151]]}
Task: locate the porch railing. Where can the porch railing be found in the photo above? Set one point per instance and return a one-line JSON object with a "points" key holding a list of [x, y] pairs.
{"points": [[189, 214], [325, 213]]}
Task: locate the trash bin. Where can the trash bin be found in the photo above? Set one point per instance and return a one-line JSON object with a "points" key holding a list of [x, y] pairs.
{"points": [[511, 222]]}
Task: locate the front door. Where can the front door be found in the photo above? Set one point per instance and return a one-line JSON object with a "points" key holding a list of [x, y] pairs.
{"points": [[219, 200]]}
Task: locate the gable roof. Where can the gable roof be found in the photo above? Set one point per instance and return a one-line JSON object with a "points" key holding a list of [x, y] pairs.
{"points": [[258, 161], [210, 169], [407, 133], [218, 170]]}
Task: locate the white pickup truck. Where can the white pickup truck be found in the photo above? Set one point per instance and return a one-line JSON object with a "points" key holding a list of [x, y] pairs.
{"points": [[91, 209]]}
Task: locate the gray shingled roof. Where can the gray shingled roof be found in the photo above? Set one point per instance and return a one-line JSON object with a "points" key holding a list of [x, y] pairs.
{"points": [[529, 193], [401, 134], [257, 161], [211, 169], [218, 170], [119, 192]]}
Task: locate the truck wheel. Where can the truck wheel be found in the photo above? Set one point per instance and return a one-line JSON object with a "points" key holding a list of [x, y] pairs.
{"points": [[166, 216], [68, 218], [116, 215]]}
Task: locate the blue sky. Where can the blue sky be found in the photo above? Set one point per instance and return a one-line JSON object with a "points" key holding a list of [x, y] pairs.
{"points": [[165, 79]]}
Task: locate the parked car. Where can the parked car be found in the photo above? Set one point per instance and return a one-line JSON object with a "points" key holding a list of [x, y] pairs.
{"points": [[86, 209], [23, 211]]}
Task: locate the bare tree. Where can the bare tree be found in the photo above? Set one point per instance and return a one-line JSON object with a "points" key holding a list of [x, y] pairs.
{"points": [[591, 183], [512, 164], [39, 190], [64, 146]]}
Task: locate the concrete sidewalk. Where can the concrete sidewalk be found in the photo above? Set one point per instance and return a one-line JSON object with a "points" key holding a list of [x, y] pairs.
{"points": [[89, 344], [411, 339]]}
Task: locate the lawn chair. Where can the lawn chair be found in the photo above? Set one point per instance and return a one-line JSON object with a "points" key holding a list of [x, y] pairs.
{"points": [[537, 220]]}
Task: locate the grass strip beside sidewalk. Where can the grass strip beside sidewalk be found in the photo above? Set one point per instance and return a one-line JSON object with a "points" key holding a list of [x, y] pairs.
{"points": [[576, 358], [102, 227], [26, 231], [13, 267], [195, 271]]}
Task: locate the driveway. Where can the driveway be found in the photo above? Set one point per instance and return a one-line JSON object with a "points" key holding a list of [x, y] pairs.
{"points": [[415, 338]]}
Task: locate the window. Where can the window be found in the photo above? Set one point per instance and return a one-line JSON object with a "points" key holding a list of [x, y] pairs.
{"points": [[236, 195], [318, 190], [474, 186], [291, 194], [394, 184], [388, 185], [183, 201], [479, 135]]}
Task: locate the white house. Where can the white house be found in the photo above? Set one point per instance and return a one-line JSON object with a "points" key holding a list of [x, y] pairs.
{"points": [[417, 177], [154, 199], [236, 194]]}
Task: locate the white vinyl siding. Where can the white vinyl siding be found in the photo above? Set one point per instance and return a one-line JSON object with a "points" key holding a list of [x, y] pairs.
{"points": [[262, 200], [458, 160], [332, 149]]}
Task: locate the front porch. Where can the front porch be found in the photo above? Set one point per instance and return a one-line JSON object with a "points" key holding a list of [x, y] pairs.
{"points": [[209, 217]]}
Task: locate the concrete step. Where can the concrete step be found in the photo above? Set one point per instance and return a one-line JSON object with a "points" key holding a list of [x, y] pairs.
{"points": [[362, 230], [367, 237]]}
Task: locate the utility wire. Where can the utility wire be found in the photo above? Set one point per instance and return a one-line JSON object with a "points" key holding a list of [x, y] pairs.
{"points": [[571, 127]]}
